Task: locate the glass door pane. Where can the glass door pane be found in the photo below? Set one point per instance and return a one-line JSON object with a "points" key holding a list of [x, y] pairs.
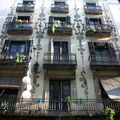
{"points": [[59, 91]]}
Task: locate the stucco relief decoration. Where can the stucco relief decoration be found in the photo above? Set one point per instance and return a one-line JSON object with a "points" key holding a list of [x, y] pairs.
{"points": [[40, 30], [79, 31]]}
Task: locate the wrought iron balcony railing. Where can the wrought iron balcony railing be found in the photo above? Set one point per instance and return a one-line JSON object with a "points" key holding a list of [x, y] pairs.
{"points": [[93, 10], [106, 60], [63, 29], [25, 7], [98, 30], [40, 107], [20, 28], [59, 8], [56, 60], [13, 58]]}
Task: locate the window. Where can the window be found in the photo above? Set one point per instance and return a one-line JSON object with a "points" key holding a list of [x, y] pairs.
{"points": [[59, 91], [63, 20], [90, 4], [59, 3], [60, 47], [102, 54], [24, 18], [60, 52], [17, 47], [27, 2], [9, 93], [94, 22], [16, 51], [102, 51]]}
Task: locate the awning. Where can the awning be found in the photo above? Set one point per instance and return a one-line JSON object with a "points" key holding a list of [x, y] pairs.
{"points": [[112, 87]]}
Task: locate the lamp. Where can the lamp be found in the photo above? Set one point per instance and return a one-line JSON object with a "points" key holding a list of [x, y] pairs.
{"points": [[29, 87], [26, 80], [26, 94]]}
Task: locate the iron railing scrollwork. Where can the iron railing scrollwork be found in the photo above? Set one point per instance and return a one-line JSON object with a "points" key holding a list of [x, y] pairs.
{"points": [[40, 106], [51, 58]]}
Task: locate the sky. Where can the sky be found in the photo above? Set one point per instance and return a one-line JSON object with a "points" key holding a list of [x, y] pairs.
{"points": [[115, 10]]}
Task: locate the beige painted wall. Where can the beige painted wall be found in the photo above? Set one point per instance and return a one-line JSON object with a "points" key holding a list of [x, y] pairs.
{"points": [[76, 90]]}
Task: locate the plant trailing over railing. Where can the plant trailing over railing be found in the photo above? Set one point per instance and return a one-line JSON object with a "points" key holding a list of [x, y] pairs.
{"points": [[109, 114], [4, 106], [69, 101], [57, 24], [91, 30]]}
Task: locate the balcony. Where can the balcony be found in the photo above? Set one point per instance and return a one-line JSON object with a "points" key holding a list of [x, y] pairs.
{"points": [[10, 82], [53, 60], [105, 61], [13, 63], [60, 66], [63, 29], [19, 28], [59, 8], [21, 7], [95, 10], [98, 30], [40, 107]]}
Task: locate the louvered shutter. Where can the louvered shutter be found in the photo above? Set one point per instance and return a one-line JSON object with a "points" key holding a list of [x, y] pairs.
{"points": [[27, 46], [51, 19], [91, 47], [112, 52], [92, 51], [6, 46], [68, 20], [87, 20]]}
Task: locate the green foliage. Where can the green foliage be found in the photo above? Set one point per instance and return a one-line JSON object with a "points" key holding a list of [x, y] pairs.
{"points": [[91, 30], [57, 24], [109, 114], [68, 99], [4, 105], [81, 100]]}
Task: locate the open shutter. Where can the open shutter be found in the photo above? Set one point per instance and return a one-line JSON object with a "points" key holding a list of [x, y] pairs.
{"points": [[64, 46], [6, 46], [68, 20], [91, 48], [111, 50], [87, 20], [51, 19], [92, 51], [27, 46]]}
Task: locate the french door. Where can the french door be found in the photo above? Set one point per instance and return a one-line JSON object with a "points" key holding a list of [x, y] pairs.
{"points": [[59, 91], [60, 51]]}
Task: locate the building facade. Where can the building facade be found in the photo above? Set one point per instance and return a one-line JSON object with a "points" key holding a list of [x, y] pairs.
{"points": [[59, 56]]}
